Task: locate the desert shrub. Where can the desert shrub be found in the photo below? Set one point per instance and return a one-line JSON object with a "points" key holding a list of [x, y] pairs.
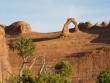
{"points": [[64, 68], [104, 77], [56, 78], [42, 78], [63, 73], [27, 76], [25, 48], [14, 79], [49, 78]]}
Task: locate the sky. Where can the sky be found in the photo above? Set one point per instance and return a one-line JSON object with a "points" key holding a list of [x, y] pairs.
{"points": [[50, 15]]}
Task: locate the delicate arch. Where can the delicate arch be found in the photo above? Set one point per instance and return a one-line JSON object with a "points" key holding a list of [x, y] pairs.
{"points": [[66, 26]]}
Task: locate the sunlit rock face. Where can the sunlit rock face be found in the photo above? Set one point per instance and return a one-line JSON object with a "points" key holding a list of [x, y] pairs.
{"points": [[19, 27], [5, 68], [65, 30]]}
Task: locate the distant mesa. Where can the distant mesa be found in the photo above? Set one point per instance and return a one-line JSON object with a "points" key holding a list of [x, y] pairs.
{"points": [[20, 27], [89, 26], [86, 25]]}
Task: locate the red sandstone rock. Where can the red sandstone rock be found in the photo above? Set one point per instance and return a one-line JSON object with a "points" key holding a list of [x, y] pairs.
{"points": [[5, 67], [66, 26], [19, 27]]}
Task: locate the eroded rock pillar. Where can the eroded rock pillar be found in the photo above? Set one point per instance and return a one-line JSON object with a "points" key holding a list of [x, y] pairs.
{"points": [[5, 68]]}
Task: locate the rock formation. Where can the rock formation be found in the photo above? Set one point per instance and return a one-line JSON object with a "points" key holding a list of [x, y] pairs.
{"points": [[19, 27], [66, 26], [88, 25], [85, 26], [5, 68]]}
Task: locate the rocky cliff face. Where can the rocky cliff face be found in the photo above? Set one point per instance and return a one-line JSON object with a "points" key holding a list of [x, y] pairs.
{"points": [[19, 27], [88, 65], [5, 68]]}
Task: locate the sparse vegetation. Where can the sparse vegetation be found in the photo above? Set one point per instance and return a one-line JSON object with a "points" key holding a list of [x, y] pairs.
{"points": [[87, 50], [104, 77], [27, 76], [25, 49], [13, 79], [63, 76], [49, 78], [64, 68]]}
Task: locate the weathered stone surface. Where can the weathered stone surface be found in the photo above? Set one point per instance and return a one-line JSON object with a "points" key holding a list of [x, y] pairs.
{"points": [[19, 27], [66, 26], [5, 68], [86, 25]]}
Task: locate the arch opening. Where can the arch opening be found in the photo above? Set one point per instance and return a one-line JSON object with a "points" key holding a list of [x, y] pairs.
{"points": [[71, 27], [68, 23]]}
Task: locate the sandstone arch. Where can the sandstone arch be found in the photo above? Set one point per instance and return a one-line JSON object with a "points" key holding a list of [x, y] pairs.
{"points": [[65, 30], [19, 27], [5, 67]]}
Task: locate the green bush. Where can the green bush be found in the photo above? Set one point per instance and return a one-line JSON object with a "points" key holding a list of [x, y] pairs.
{"points": [[104, 77], [24, 46], [14, 79], [42, 78], [62, 75], [56, 78], [27, 76], [49, 78], [64, 68]]}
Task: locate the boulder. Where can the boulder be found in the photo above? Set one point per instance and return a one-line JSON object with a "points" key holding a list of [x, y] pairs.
{"points": [[19, 27]]}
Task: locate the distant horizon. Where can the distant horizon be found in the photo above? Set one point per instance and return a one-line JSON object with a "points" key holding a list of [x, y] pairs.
{"points": [[50, 15]]}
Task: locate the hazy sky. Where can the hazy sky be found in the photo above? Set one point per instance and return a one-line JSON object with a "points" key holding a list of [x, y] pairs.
{"points": [[50, 15]]}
